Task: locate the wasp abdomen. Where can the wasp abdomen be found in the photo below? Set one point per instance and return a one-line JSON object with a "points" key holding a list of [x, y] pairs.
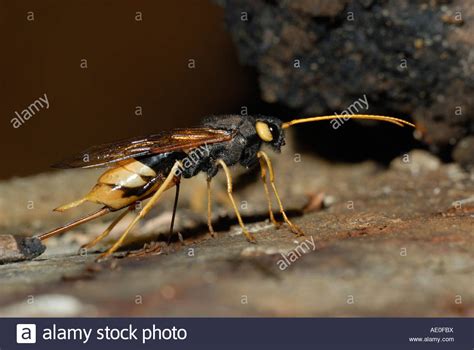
{"points": [[123, 185]]}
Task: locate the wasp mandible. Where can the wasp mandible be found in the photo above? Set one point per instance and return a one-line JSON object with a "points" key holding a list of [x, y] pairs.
{"points": [[144, 167]]}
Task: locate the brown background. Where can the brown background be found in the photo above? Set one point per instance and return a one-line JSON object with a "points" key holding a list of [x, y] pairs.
{"points": [[130, 64]]}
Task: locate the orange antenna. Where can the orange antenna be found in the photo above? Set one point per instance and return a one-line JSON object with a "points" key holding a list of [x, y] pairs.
{"points": [[397, 121]]}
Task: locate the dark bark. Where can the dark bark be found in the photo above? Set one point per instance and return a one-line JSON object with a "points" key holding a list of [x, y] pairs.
{"points": [[410, 58]]}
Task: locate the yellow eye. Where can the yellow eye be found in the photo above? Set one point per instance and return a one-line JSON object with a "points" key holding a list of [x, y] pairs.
{"points": [[264, 132]]}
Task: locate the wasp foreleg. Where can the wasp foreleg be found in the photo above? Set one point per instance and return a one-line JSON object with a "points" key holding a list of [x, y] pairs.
{"points": [[267, 193], [295, 229]]}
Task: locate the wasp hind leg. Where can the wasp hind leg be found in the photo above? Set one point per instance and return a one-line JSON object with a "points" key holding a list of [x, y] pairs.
{"points": [[143, 212], [108, 229], [247, 234], [264, 158]]}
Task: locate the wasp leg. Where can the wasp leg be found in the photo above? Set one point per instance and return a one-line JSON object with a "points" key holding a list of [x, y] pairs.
{"points": [[107, 230], [209, 208], [75, 223], [247, 234], [267, 193], [143, 212], [295, 229], [173, 216]]}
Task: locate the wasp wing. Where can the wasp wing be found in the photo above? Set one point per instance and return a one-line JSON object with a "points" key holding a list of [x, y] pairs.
{"points": [[169, 141]]}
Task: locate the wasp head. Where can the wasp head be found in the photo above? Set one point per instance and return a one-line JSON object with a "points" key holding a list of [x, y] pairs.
{"points": [[270, 131]]}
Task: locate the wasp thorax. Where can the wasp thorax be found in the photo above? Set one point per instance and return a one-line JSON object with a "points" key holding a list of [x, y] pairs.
{"points": [[264, 132]]}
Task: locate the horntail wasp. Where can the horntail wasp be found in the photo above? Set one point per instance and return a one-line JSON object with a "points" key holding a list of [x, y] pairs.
{"points": [[145, 167]]}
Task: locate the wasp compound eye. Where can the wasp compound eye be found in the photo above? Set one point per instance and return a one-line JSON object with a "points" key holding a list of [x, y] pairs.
{"points": [[264, 131], [275, 132]]}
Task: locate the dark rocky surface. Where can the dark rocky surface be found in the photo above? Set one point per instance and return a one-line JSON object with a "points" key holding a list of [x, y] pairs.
{"points": [[391, 241], [410, 58], [13, 248]]}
